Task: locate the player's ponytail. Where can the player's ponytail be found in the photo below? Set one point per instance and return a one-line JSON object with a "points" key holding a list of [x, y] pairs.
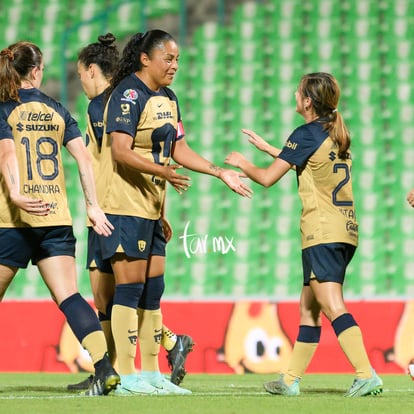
{"points": [[339, 133], [9, 78], [323, 89], [16, 62], [129, 60]]}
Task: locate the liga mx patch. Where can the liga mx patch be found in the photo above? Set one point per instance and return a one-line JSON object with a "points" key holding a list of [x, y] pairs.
{"points": [[141, 245], [130, 95]]}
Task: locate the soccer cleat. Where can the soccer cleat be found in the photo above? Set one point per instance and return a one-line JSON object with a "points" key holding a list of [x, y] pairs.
{"points": [[177, 356], [163, 384], [134, 385], [81, 386], [279, 387], [105, 380], [365, 386]]}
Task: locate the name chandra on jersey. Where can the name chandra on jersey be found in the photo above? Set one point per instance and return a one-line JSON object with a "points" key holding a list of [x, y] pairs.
{"points": [[325, 186], [39, 127], [152, 119]]}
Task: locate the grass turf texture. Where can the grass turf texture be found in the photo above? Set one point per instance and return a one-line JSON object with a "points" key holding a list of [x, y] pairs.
{"points": [[219, 394]]}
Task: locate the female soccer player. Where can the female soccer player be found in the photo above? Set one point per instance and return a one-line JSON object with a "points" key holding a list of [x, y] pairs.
{"points": [[319, 151], [35, 221], [96, 64], [143, 133]]}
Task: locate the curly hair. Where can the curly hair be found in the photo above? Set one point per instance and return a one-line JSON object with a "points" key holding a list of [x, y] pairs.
{"points": [[131, 56], [103, 53]]}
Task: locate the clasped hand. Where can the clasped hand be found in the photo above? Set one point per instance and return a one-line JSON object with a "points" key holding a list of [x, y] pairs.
{"points": [[232, 179]]}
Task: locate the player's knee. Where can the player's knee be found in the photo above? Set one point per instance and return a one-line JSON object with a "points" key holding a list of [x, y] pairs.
{"points": [[151, 298]]}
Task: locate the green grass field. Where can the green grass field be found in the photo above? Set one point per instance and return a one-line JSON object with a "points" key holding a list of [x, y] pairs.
{"points": [[212, 394]]}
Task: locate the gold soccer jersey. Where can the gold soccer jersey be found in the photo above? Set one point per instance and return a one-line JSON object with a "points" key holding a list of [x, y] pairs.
{"points": [[94, 133], [152, 119], [39, 127], [95, 128], [325, 187]]}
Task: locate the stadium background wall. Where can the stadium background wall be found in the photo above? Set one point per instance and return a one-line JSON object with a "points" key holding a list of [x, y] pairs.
{"points": [[239, 66], [230, 337]]}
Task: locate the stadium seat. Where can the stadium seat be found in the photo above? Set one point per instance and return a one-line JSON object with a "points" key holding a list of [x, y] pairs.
{"points": [[16, 19], [157, 8], [321, 33], [401, 275], [365, 276], [130, 14], [243, 72]]}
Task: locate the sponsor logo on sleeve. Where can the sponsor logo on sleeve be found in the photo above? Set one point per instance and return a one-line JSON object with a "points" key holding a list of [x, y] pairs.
{"points": [[125, 108], [291, 145], [130, 95]]}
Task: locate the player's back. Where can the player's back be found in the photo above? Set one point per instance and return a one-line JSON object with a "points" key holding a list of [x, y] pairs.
{"points": [[38, 126]]}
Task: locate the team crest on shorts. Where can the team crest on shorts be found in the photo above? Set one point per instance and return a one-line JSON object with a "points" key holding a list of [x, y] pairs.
{"points": [[141, 245]]}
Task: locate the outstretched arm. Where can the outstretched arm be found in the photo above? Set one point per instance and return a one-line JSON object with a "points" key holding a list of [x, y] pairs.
{"points": [[100, 223], [190, 159], [261, 144], [10, 170], [264, 176]]}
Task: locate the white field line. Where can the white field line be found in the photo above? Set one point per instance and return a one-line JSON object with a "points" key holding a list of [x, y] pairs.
{"points": [[195, 394]]}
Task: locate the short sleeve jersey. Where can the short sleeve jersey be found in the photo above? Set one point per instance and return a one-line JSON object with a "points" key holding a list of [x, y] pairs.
{"points": [[94, 133], [39, 127], [325, 186], [153, 120], [95, 127]]}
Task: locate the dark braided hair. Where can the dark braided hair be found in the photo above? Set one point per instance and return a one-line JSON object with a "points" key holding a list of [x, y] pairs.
{"points": [[131, 56], [103, 53]]}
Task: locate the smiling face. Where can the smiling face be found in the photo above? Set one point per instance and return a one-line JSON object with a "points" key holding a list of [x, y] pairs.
{"points": [[159, 69]]}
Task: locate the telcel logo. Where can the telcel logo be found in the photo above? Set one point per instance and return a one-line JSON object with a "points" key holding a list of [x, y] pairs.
{"points": [[36, 116]]}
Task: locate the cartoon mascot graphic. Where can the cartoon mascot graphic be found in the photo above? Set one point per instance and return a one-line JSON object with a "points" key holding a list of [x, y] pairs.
{"points": [[255, 341], [404, 339], [71, 352]]}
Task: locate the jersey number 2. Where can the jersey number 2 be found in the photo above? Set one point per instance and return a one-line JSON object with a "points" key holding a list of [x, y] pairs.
{"points": [[336, 169]]}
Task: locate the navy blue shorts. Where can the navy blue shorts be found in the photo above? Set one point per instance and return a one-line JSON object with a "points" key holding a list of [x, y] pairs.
{"points": [[19, 246], [326, 262], [135, 236], [94, 256]]}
